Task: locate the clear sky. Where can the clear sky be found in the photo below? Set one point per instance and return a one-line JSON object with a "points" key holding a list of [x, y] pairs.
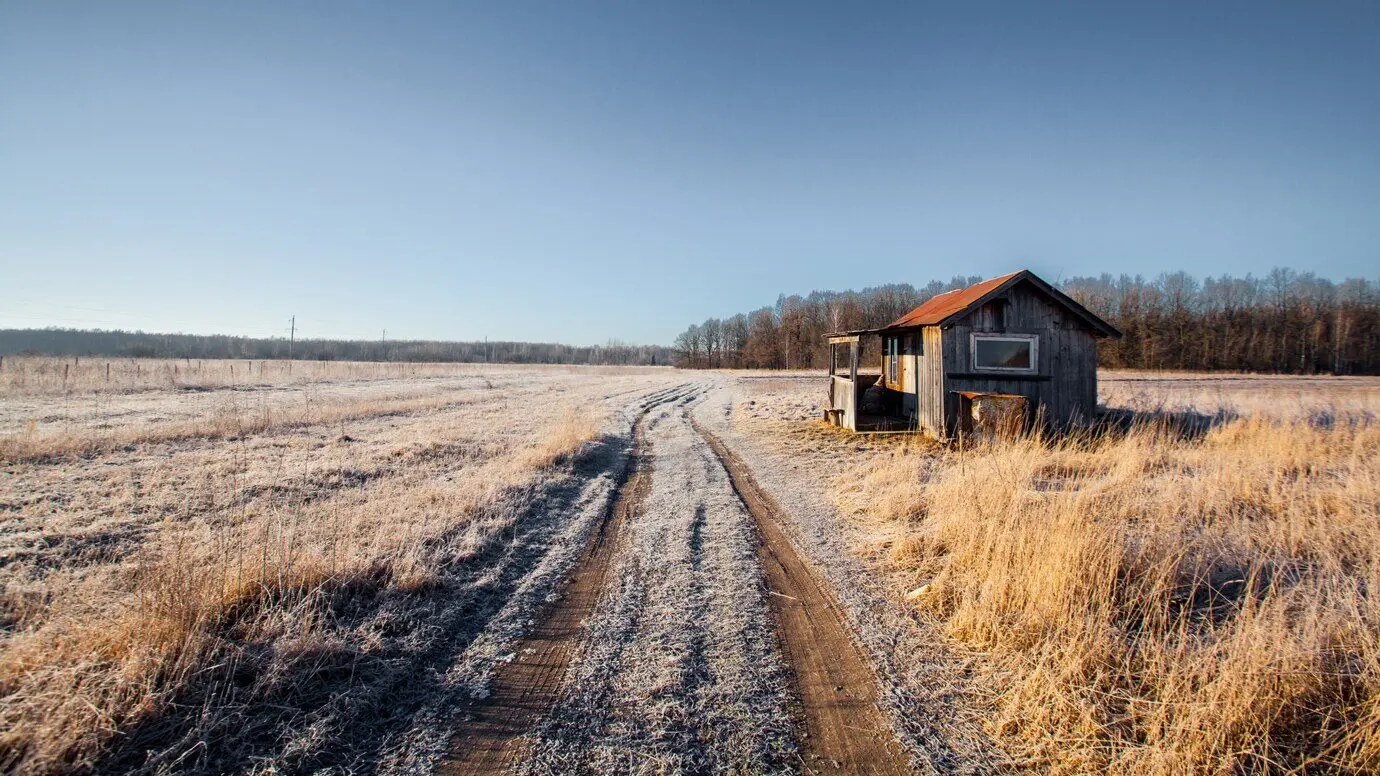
{"points": [[578, 171]]}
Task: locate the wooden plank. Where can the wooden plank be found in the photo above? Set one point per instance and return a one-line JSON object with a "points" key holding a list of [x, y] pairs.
{"points": [[930, 382]]}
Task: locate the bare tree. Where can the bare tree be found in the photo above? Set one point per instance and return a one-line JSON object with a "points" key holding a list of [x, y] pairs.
{"points": [[712, 332]]}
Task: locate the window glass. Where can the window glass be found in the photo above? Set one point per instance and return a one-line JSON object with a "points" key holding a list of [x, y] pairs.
{"points": [[1002, 353]]}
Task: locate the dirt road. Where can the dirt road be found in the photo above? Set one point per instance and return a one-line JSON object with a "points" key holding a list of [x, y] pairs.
{"points": [[833, 681], [691, 638], [528, 686]]}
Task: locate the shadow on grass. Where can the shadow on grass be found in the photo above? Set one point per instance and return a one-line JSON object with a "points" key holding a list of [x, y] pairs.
{"points": [[1191, 424], [1177, 424], [379, 652]]}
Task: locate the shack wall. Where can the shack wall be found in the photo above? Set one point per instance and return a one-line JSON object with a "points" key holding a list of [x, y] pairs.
{"points": [[1064, 387]]}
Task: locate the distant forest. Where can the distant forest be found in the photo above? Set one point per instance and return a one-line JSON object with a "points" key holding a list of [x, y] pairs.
{"points": [[138, 344], [1286, 321]]}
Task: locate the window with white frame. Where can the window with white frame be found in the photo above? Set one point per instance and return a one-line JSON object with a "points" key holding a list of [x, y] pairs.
{"points": [[1006, 353]]}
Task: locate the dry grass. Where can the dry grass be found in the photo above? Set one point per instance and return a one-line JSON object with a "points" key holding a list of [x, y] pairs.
{"points": [[41, 421], [232, 419], [54, 376], [197, 596], [1150, 603], [225, 548]]}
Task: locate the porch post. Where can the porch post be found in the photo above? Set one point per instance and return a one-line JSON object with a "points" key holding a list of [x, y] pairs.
{"points": [[853, 362]]}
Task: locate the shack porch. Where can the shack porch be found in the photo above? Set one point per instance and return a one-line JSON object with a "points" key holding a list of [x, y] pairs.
{"points": [[847, 385]]}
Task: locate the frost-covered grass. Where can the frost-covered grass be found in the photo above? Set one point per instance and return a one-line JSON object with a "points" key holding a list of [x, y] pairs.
{"points": [[248, 593], [1228, 395], [39, 376]]}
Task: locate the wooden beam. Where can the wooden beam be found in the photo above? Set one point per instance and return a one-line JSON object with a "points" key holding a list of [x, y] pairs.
{"points": [[998, 376]]}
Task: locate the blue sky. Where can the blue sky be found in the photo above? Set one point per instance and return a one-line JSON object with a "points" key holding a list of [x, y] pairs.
{"points": [[583, 171]]}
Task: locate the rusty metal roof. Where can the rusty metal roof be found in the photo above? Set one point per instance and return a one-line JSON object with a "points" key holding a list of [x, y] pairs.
{"points": [[940, 308], [943, 308]]}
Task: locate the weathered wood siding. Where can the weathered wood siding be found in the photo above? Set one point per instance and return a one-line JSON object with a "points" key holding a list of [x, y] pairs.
{"points": [[1065, 386], [842, 396], [929, 380]]}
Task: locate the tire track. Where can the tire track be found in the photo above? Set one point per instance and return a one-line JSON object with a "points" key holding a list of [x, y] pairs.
{"points": [[680, 672], [526, 688], [845, 732]]}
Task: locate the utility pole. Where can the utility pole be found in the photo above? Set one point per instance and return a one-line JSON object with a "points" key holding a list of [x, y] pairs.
{"points": [[292, 334]]}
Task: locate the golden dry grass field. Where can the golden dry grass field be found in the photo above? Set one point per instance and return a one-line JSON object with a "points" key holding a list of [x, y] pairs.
{"points": [[279, 571]]}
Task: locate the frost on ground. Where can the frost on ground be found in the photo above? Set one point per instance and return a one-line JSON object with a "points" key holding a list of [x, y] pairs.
{"points": [[283, 585], [923, 686], [1320, 399], [681, 673]]}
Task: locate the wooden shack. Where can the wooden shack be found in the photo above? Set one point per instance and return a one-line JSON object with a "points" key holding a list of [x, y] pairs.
{"points": [[1013, 337]]}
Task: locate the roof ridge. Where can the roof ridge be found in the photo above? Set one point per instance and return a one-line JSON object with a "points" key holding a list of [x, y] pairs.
{"points": [[943, 307]]}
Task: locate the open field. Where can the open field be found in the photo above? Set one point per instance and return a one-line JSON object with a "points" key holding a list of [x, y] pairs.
{"points": [[1224, 396], [568, 569], [50, 376]]}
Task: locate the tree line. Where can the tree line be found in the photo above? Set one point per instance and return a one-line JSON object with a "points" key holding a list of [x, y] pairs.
{"points": [[1286, 321], [138, 344]]}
